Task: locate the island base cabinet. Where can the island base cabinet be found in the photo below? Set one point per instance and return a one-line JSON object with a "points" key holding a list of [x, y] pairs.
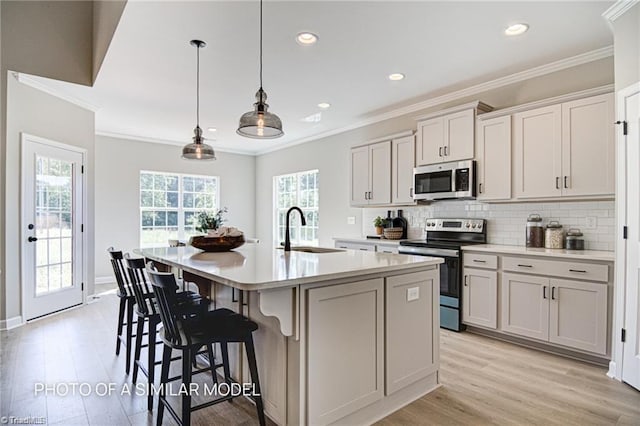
{"points": [[411, 343], [344, 349], [578, 315], [525, 305], [480, 298]]}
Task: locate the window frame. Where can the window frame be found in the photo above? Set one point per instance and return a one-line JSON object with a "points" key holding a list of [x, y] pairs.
{"points": [[182, 228], [298, 226]]}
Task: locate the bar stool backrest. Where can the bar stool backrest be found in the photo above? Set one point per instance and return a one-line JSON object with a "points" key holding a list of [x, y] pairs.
{"points": [[142, 289], [164, 287], [122, 279]]}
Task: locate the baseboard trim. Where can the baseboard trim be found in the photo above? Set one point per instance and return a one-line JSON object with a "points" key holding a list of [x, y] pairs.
{"points": [[11, 323], [612, 371], [104, 280]]}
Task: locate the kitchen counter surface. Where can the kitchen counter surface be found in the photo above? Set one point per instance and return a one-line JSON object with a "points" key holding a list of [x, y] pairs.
{"points": [[369, 241], [258, 267], [603, 256]]}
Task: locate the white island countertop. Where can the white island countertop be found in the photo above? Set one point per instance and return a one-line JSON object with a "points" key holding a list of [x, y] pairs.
{"points": [[259, 267], [603, 256]]}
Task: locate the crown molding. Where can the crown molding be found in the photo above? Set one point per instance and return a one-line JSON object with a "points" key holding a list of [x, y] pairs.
{"points": [[541, 70], [480, 107], [548, 101], [33, 83], [618, 9], [124, 136]]}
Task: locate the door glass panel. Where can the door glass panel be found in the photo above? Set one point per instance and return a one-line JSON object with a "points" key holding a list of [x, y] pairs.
{"points": [[54, 224]]}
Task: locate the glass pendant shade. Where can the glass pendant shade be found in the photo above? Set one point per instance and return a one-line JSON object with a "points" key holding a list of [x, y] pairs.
{"points": [[198, 150], [260, 123]]}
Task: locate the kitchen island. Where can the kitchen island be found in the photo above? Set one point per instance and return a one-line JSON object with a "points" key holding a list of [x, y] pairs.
{"points": [[345, 336]]}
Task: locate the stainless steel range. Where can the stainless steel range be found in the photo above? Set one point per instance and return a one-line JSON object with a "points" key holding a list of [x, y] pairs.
{"points": [[444, 239]]}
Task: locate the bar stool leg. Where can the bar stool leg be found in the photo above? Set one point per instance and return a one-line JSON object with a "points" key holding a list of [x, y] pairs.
{"points": [[224, 349], [151, 360], [123, 303], [129, 334], [136, 357], [186, 382], [164, 381], [212, 364], [253, 369]]}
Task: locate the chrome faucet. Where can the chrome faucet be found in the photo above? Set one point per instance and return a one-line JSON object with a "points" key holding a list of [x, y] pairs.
{"points": [[287, 238]]}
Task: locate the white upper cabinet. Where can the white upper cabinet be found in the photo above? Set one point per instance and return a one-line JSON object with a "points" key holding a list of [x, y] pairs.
{"points": [[588, 146], [402, 162], [370, 174], [493, 158], [565, 150], [447, 135]]}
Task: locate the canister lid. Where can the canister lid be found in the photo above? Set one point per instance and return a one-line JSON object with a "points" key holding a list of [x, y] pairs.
{"points": [[534, 217], [554, 224], [574, 232]]}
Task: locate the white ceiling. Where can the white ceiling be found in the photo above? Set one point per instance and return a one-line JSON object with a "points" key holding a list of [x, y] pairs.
{"points": [[146, 87]]}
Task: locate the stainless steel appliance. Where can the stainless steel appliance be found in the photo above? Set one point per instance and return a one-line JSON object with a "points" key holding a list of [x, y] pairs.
{"points": [[445, 181], [444, 239]]}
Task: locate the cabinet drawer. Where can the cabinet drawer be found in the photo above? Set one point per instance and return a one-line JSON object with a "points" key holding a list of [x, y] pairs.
{"points": [[477, 260], [559, 268], [355, 246], [386, 248]]}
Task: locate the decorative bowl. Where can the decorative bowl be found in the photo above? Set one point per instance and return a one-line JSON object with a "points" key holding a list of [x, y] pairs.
{"points": [[216, 244], [393, 233]]}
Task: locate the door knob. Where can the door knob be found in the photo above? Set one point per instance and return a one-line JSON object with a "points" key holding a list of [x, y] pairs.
{"points": [[32, 239]]}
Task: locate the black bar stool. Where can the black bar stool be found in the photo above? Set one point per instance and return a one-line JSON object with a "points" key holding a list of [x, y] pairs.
{"points": [[189, 333], [127, 300]]}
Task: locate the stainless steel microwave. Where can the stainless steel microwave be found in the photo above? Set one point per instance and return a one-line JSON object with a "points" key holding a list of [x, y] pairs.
{"points": [[455, 180]]}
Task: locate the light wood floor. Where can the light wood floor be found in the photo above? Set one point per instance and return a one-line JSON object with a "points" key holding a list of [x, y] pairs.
{"points": [[484, 381]]}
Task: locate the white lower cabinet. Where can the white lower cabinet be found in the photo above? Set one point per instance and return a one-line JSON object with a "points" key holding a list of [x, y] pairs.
{"points": [[480, 298], [410, 354], [566, 312], [345, 370]]}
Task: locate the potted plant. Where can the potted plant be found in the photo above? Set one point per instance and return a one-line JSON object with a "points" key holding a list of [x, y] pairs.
{"points": [[379, 223], [208, 220]]}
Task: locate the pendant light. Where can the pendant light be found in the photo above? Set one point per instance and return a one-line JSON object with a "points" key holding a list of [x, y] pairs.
{"points": [[198, 150], [260, 123]]}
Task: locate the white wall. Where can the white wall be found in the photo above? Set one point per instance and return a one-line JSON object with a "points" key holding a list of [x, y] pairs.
{"points": [[118, 166], [330, 155], [37, 113]]}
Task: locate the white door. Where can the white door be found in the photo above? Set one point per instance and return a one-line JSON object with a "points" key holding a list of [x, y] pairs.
{"points": [[629, 110], [52, 246]]}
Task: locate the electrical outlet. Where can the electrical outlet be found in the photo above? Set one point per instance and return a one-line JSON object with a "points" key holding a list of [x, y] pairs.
{"points": [[351, 220], [413, 293], [591, 222]]}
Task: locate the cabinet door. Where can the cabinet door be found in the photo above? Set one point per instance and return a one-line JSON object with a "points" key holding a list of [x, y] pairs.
{"points": [[538, 152], [403, 160], [480, 298], [430, 142], [459, 131], [578, 315], [493, 157], [525, 305], [588, 165], [345, 344], [380, 173], [412, 325], [360, 176]]}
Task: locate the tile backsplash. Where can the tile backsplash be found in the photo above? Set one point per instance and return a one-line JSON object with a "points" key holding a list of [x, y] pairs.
{"points": [[506, 222]]}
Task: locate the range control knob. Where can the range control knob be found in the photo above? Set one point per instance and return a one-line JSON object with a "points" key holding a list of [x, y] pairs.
{"points": [[473, 226], [468, 225]]}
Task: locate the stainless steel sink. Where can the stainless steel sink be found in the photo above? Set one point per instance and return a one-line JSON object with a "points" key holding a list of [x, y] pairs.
{"points": [[310, 249]]}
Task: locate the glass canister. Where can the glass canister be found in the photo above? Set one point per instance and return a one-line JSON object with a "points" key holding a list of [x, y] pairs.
{"points": [[534, 231], [554, 236], [574, 240]]}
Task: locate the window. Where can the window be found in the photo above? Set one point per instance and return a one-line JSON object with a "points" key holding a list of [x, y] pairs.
{"points": [[168, 202], [297, 189]]}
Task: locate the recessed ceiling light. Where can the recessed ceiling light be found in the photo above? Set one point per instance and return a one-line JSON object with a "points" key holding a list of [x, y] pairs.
{"points": [[396, 76], [516, 29], [324, 105], [212, 129], [306, 38]]}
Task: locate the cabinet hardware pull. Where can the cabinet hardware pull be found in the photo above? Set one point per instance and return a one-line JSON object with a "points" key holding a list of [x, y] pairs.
{"points": [[480, 188], [364, 249], [370, 195], [578, 270], [557, 182], [466, 283], [565, 182], [440, 151], [553, 293], [544, 291], [411, 192], [479, 261], [365, 196], [445, 151], [525, 266]]}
